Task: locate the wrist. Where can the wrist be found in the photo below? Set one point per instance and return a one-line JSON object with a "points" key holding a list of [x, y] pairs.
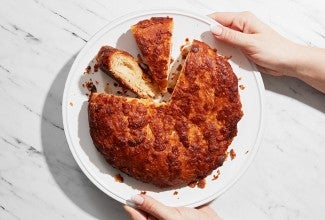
{"points": [[308, 65], [296, 63]]}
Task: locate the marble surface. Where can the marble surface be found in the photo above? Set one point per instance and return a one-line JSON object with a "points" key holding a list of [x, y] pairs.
{"points": [[39, 179]]}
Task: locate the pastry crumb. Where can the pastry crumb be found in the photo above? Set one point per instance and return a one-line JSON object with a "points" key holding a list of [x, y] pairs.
{"points": [[175, 193], [228, 57], [242, 87], [232, 154], [87, 70], [118, 178], [227, 155], [201, 184], [215, 177], [90, 86], [107, 89], [139, 59], [192, 185], [71, 103], [96, 67]]}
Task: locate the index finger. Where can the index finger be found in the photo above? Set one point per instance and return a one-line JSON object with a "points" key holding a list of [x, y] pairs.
{"points": [[154, 207], [241, 21], [224, 18]]}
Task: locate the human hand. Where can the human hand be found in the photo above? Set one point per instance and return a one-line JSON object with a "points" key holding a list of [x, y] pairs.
{"points": [[149, 208], [272, 53]]}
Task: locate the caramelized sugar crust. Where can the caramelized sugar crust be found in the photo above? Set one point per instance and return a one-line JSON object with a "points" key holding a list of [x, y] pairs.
{"points": [[154, 39], [174, 143]]}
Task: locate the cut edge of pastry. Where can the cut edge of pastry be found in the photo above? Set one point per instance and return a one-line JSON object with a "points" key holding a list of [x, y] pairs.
{"points": [[124, 68]]}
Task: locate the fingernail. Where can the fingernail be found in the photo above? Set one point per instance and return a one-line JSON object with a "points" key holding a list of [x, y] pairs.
{"points": [[216, 29], [138, 200], [130, 203]]}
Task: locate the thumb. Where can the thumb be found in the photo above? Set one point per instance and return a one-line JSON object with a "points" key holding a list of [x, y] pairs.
{"points": [[230, 36], [153, 207]]}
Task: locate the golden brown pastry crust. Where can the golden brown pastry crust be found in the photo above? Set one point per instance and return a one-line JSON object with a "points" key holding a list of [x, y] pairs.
{"points": [[154, 39], [174, 143], [105, 62]]}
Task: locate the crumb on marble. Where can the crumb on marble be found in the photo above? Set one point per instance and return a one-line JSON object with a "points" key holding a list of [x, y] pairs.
{"points": [[71, 103], [242, 87]]}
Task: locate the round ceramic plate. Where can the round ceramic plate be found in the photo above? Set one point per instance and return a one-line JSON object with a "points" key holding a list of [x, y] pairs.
{"points": [[75, 115]]}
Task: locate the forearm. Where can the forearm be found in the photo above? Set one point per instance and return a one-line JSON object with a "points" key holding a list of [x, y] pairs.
{"points": [[309, 66]]}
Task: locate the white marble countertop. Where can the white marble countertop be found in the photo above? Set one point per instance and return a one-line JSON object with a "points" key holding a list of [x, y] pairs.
{"points": [[39, 179]]}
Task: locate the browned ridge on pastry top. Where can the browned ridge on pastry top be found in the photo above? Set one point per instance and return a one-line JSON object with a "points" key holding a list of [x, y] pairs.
{"points": [[174, 143], [154, 39]]}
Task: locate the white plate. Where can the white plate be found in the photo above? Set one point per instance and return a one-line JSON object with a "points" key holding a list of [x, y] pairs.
{"points": [[75, 118]]}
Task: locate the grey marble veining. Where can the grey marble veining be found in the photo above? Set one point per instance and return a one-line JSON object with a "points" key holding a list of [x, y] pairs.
{"points": [[39, 179]]}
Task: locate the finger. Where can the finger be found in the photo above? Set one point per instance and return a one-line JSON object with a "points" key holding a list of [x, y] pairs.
{"points": [[224, 18], [242, 21], [153, 207], [231, 36], [135, 214], [209, 211], [150, 217]]}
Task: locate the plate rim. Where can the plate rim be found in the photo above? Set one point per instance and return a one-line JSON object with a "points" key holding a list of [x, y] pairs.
{"points": [[116, 21]]}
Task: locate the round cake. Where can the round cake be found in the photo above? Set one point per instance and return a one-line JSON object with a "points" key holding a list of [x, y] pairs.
{"points": [[178, 142]]}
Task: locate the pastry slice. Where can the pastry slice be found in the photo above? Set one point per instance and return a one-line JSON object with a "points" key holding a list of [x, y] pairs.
{"points": [[124, 68], [154, 39]]}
